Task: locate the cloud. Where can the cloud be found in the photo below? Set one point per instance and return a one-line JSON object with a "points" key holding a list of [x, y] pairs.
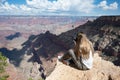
{"points": [[62, 5], [48, 7], [2, 1], [25, 8], [104, 5], [55, 7], [6, 8], [12, 9]]}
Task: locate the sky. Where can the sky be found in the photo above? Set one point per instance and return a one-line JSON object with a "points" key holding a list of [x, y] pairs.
{"points": [[60, 7]]}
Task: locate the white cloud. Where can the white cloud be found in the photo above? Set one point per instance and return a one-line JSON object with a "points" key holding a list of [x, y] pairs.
{"points": [[7, 6], [62, 5], [104, 5], [48, 7], [2, 1], [13, 9], [25, 8]]}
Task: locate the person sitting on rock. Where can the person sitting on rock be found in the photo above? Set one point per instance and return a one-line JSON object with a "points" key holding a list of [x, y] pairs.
{"points": [[81, 55]]}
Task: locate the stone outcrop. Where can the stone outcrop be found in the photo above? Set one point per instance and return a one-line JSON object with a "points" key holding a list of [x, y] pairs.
{"points": [[102, 70], [107, 20]]}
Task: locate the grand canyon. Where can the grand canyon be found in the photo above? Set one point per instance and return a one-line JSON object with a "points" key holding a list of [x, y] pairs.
{"points": [[32, 43]]}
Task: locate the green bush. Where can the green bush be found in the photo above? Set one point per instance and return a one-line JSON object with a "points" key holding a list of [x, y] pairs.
{"points": [[33, 79], [4, 77], [30, 79], [3, 64]]}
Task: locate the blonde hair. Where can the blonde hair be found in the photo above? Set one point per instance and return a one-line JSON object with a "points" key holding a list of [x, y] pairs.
{"points": [[83, 46]]}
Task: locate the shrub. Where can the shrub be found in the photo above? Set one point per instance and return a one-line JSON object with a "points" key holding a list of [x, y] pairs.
{"points": [[3, 64], [4, 77]]}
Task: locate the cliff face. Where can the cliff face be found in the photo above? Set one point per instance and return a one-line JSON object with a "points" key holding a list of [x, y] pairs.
{"points": [[107, 20], [102, 70], [104, 32]]}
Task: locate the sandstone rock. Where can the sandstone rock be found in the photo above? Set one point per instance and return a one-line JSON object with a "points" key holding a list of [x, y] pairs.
{"points": [[35, 70], [102, 70]]}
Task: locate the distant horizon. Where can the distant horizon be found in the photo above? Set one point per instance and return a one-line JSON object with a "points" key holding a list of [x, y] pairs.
{"points": [[60, 7], [62, 15], [59, 15]]}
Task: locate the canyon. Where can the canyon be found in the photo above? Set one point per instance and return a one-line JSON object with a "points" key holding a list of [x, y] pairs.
{"points": [[33, 44]]}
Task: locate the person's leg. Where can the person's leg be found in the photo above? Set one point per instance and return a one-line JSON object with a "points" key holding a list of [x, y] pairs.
{"points": [[70, 55], [65, 58], [78, 63]]}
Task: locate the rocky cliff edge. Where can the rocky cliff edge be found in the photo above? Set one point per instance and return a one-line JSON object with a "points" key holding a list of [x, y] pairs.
{"points": [[102, 70]]}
